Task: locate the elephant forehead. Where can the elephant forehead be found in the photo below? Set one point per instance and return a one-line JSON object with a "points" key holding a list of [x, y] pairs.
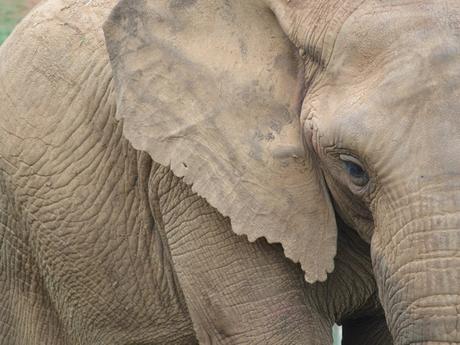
{"points": [[381, 31], [392, 62], [408, 95], [391, 90]]}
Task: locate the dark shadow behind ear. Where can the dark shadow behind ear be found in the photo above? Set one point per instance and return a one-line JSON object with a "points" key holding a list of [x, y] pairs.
{"points": [[211, 89]]}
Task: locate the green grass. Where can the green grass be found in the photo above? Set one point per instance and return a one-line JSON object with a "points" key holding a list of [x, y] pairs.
{"points": [[11, 12]]}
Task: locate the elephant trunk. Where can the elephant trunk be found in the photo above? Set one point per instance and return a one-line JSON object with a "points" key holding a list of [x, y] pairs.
{"points": [[416, 257]]}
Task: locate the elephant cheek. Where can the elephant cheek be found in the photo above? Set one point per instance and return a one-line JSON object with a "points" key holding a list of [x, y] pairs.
{"points": [[417, 266]]}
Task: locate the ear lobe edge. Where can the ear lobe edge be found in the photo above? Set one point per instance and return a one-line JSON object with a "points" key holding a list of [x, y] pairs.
{"points": [[261, 199]]}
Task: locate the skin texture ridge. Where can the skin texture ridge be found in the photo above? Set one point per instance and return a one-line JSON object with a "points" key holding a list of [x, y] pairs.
{"points": [[102, 245], [372, 88], [81, 258], [175, 172]]}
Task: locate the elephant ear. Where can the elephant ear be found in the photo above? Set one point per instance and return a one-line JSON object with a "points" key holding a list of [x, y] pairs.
{"points": [[211, 88]]}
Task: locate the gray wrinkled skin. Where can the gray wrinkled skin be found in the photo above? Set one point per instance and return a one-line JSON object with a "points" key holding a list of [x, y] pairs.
{"points": [[103, 243], [377, 94]]}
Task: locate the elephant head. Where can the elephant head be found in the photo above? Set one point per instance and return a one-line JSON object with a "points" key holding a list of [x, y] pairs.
{"points": [[267, 107]]}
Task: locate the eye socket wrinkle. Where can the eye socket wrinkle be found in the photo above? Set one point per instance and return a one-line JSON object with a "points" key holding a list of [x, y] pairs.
{"points": [[357, 173]]}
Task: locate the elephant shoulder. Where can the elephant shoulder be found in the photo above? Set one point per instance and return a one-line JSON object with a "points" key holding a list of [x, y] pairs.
{"points": [[52, 64]]}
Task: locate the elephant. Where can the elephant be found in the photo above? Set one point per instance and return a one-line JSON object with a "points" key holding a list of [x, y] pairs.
{"points": [[245, 172], [101, 244]]}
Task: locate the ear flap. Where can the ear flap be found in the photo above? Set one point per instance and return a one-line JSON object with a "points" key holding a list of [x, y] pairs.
{"points": [[211, 88]]}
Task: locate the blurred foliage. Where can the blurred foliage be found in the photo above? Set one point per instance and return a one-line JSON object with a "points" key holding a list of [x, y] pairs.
{"points": [[11, 11]]}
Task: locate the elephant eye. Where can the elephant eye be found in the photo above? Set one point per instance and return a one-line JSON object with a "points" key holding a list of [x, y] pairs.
{"points": [[355, 171]]}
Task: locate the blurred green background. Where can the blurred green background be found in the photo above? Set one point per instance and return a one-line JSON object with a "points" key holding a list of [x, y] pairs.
{"points": [[11, 11]]}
